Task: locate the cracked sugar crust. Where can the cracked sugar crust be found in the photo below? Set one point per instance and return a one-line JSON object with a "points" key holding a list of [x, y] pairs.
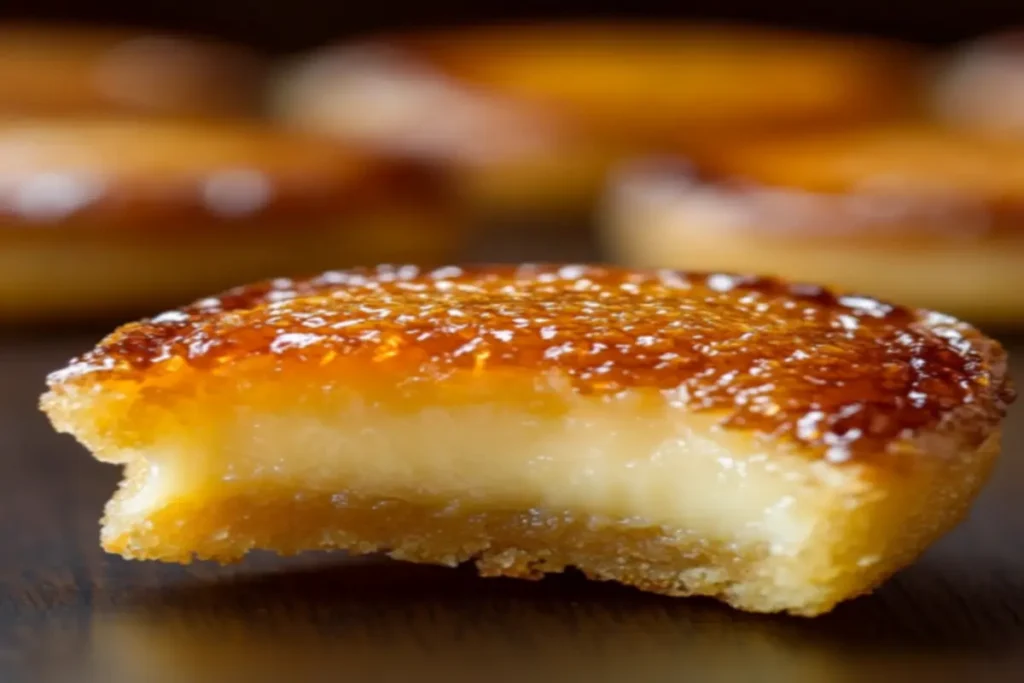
{"points": [[842, 376]]}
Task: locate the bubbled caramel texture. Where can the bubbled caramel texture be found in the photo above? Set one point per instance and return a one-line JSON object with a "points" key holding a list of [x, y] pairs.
{"points": [[836, 373]]}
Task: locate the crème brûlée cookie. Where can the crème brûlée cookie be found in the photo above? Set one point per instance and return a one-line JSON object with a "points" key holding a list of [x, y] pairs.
{"points": [[777, 446], [535, 113], [981, 85], [919, 214], [69, 69], [102, 216]]}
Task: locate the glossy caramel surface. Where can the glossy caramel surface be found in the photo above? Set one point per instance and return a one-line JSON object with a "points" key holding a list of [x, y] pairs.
{"points": [[136, 171], [907, 159], [915, 162], [840, 374], [882, 183]]}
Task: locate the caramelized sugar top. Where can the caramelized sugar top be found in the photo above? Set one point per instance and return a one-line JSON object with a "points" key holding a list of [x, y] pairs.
{"points": [[890, 183], [496, 92], [840, 374], [701, 71], [916, 160], [132, 171]]}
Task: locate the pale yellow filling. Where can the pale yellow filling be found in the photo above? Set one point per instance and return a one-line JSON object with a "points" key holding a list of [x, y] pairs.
{"points": [[656, 470]]}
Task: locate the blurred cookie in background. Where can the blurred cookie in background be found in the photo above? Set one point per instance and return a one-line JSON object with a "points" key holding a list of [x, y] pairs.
{"points": [[980, 85], [533, 115], [916, 214], [66, 69], [111, 217]]}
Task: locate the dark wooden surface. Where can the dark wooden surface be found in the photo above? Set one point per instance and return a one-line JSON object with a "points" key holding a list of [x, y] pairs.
{"points": [[69, 613]]}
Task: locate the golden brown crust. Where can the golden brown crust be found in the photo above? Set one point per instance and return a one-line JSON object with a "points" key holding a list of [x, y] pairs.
{"points": [[840, 375], [182, 174], [73, 70], [873, 529], [881, 182]]}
